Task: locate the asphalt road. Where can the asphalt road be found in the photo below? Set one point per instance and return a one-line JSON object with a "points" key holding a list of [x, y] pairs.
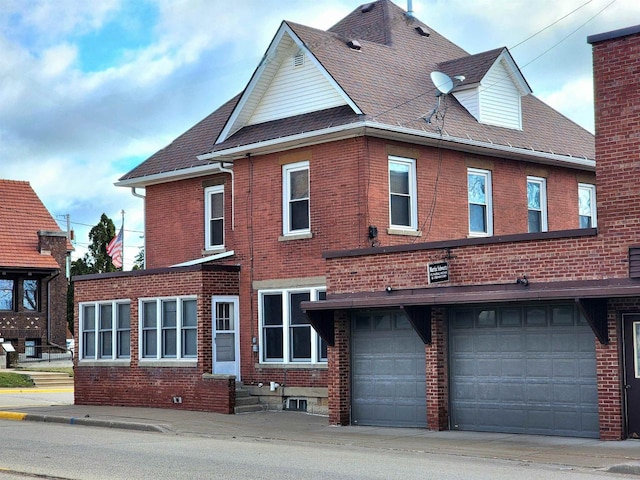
{"points": [[55, 451]]}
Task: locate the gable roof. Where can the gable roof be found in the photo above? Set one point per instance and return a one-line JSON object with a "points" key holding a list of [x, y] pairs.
{"points": [[388, 92], [22, 216]]}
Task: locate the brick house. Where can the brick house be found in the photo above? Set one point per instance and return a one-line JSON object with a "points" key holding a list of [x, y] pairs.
{"points": [[33, 283], [352, 217]]}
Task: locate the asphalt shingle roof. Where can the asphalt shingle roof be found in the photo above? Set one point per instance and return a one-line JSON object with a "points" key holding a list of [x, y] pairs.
{"points": [[389, 80], [22, 216]]}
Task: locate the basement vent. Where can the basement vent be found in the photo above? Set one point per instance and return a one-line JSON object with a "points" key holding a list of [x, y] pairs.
{"points": [[634, 262], [423, 31], [298, 60], [297, 404], [354, 45], [368, 7]]}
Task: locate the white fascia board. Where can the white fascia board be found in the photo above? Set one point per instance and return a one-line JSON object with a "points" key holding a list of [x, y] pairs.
{"points": [[210, 258], [171, 176], [391, 132], [257, 76], [514, 72]]}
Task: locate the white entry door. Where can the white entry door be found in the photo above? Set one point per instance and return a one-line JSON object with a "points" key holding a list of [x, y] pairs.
{"points": [[226, 336]]}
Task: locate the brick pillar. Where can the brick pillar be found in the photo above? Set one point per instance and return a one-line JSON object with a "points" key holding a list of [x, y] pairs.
{"points": [[610, 407], [339, 378], [437, 374]]}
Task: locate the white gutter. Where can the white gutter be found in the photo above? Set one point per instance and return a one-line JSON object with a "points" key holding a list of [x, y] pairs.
{"points": [[394, 132], [144, 213], [359, 129]]}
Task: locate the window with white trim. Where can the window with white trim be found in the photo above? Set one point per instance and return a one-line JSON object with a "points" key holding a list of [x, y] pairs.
{"points": [[168, 328], [480, 203], [295, 205], [587, 205], [286, 334], [105, 330], [537, 204], [403, 209], [214, 217]]}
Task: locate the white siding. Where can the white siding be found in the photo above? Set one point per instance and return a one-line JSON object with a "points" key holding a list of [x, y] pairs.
{"points": [[294, 91], [469, 100], [499, 99]]}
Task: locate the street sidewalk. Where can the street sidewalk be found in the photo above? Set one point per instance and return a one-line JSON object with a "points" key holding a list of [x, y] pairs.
{"points": [[618, 457]]}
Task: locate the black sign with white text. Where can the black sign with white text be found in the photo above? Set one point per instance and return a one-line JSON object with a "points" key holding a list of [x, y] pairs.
{"points": [[438, 272]]}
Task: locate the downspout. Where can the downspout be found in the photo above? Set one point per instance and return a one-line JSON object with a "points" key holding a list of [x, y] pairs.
{"points": [[144, 213], [224, 169]]}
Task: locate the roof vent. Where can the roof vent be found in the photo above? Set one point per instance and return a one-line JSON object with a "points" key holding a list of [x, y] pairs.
{"points": [[368, 7], [298, 60], [423, 31], [354, 45]]}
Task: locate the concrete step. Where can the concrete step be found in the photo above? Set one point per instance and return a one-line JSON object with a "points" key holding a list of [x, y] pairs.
{"points": [[245, 402], [50, 379]]}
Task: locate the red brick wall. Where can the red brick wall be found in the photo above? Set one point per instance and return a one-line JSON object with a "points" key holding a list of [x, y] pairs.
{"points": [[153, 386], [339, 384]]}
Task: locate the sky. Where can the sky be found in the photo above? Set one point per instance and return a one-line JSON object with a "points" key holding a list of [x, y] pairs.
{"points": [[90, 89]]}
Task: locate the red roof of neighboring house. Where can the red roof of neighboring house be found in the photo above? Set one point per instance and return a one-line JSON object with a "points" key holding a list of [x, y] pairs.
{"points": [[22, 216]]}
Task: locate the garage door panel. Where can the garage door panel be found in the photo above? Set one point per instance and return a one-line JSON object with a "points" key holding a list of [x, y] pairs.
{"points": [[389, 372], [539, 379]]}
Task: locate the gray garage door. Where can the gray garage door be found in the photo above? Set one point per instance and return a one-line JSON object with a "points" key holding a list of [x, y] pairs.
{"points": [[388, 371], [528, 369]]}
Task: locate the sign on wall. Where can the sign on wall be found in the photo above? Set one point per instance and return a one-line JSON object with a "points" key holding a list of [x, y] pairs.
{"points": [[438, 272]]}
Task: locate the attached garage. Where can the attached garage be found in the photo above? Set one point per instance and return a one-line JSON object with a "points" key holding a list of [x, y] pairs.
{"points": [[523, 369], [388, 371]]}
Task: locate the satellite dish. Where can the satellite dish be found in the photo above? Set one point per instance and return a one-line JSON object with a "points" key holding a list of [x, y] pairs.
{"points": [[442, 82]]}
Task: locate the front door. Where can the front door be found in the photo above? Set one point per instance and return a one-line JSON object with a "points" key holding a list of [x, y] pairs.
{"points": [[226, 341], [631, 335]]}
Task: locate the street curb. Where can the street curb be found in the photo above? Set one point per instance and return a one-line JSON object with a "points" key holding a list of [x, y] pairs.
{"points": [[85, 421], [625, 468]]}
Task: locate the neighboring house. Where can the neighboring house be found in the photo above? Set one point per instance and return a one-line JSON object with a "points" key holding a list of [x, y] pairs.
{"points": [[33, 282], [457, 231]]}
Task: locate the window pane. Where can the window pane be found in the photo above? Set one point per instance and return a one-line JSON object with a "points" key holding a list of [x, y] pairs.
{"points": [[124, 344], [584, 202], [477, 218], [273, 343], [299, 211], [216, 233], [298, 317], [149, 344], [169, 314], [477, 189], [88, 345], [89, 317], [169, 343], [124, 316], [322, 349], [301, 343], [149, 315], [535, 221], [398, 178], [533, 195], [30, 294], [400, 210], [272, 309], [105, 344], [585, 222], [6, 294], [217, 205], [105, 317], [190, 342], [299, 187], [189, 314], [487, 318]]}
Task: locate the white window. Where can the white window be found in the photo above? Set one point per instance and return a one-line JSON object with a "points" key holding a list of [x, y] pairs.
{"points": [[480, 204], [168, 328], [537, 204], [587, 205], [214, 217], [105, 330], [287, 336], [295, 205], [403, 211]]}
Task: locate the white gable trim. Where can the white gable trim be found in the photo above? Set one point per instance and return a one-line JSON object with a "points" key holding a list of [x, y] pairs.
{"points": [[263, 75], [506, 60]]}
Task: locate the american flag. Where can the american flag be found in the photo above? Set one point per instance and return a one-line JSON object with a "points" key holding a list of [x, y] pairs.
{"points": [[114, 250]]}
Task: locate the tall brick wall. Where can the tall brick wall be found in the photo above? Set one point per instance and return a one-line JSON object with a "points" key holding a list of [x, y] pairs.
{"points": [[133, 384]]}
